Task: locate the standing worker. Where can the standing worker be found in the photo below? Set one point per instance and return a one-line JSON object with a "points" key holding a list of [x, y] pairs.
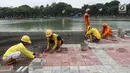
{"points": [[14, 52], [87, 19], [53, 39], [93, 34], [106, 31]]}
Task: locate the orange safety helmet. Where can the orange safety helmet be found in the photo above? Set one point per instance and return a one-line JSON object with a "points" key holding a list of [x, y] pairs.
{"points": [[104, 24]]}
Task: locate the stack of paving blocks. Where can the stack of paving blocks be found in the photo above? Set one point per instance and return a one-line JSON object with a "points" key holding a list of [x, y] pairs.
{"points": [[22, 69], [121, 32], [37, 63], [84, 46]]}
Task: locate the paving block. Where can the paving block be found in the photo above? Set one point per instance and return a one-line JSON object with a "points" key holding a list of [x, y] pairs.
{"points": [[74, 71], [37, 63], [55, 71], [47, 68], [65, 69], [19, 69], [84, 71], [56, 68], [84, 46], [25, 70], [82, 68], [92, 69], [74, 67], [46, 72], [37, 71], [7, 69]]}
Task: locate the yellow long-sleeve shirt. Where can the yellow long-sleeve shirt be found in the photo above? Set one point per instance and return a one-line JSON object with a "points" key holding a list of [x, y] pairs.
{"points": [[54, 38], [18, 47], [95, 32]]}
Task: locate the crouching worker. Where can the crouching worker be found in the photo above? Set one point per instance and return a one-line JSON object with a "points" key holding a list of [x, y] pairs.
{"points": [[14, 52], [54, 41], [106, 31], [93, 34]]}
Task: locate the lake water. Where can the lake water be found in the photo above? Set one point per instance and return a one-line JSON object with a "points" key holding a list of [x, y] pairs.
{"points": [[31, 25]]}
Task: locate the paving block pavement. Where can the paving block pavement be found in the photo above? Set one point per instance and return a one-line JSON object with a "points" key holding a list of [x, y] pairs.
{"points": [[76, 61]]}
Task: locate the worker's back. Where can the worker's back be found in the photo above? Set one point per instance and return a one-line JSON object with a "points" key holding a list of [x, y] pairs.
{"points": [[18, 47], [95, 32]]}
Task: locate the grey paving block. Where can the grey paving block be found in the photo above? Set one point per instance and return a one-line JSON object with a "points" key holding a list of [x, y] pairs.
{"points": [[91, 69], [36, 63], [55, 71], [7, 69], [46, 72], [101, 69], [119, 69], [110, 69], [74, 67], [19, 69], [74, 71], [25, 70], [84, 71], [65, 69], [82, 68], [126, 68], [38, 71], [56, 68], [47, 68]]}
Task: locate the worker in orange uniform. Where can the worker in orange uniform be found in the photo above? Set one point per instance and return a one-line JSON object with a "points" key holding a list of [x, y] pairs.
{"points": [[93, 34], [53, 39], [14, 52], [106, 31], [87, 19]]}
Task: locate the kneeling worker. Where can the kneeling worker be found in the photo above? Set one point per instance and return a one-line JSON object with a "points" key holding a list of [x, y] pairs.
{"points": [[14, 52], [94, 34], [106, 31], [53, 39]]}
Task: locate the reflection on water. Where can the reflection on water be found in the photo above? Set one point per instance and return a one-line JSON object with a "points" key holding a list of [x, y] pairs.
{"points": [[58, 24]]}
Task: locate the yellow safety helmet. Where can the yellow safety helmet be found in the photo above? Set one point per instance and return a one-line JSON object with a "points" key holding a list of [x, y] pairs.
{"points": [[26, 39], [48, 32]]}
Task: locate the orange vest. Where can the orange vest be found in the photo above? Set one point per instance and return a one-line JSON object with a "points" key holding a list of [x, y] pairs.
{"points": [[106, 31], [87, 20]]}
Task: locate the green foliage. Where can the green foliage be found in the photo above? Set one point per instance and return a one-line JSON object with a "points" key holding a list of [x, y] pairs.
{"points": [[60, 9]]}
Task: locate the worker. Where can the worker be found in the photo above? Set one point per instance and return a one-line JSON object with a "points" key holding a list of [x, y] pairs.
{"points": [[87, 19], [14, 52], [53, 39], [106, 31], [93, 34]]}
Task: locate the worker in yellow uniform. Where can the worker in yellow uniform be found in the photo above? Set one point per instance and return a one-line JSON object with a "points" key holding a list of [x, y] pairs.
{"points": [[94, 34], [53, 39], [14, 52]]}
